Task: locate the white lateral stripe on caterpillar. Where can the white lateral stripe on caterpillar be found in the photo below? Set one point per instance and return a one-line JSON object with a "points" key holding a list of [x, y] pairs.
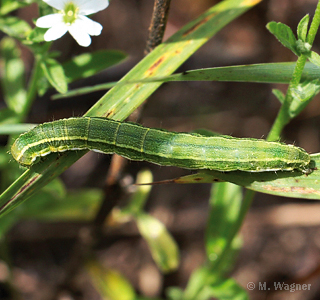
{"points": [[185, 150]]}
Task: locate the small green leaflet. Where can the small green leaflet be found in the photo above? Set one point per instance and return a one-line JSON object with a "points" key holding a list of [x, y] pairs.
{"points": [[166, 148]]}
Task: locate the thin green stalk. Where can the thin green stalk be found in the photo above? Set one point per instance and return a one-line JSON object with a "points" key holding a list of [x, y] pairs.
{"points": [[31, 94], [32, 88], [283, 117], [314, 25]]}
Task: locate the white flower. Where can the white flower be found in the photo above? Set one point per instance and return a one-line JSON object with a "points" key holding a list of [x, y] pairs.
{"points": [[72, 18]]}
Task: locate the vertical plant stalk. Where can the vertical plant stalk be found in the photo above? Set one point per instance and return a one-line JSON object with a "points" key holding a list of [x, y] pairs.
{"points": [[32, 88], [314, 25], [31, 95], [158, 24], [283, 117]]}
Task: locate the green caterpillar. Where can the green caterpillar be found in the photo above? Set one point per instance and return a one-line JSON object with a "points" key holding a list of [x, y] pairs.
{"points": [[133, 141]]}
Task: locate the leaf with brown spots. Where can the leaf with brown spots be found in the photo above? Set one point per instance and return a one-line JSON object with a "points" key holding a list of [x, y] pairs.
{"points": [[288, 184]]}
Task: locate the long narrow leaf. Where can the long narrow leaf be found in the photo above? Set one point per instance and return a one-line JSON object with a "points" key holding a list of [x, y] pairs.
{"points": [[260, 73], [287, 183], [13, 81], [263, 73]]}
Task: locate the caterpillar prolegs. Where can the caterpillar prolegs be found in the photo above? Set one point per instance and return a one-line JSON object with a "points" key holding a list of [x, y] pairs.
{"points": [[166, 148]]}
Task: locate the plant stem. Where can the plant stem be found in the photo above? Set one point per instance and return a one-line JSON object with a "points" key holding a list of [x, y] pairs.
{"points": [[314, 25], [158, 24], [283, 117], [32, 88]]}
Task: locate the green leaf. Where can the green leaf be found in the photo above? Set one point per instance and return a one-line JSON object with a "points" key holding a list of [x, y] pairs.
{"points": [[80, 205], [8, 129], [303, 28], [263, 73], [54, 204], [287, 184], [91, 89], [15, 27], [284, 34], [314, 58], [8, 116], [51, 195], [45, 9], [55, 74], [36, 35], [302, 95], [43, 84], [227, 289], [110, 284], [13, 81], [8, 6], [88, 64], [140, 196], [39, 49], [279, 95], [163, 248], [230, 256], [211, 275], [306, 91], [174, 293], [225, 203]]}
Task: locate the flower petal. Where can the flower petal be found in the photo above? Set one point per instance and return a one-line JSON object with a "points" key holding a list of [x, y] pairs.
{"points": [[49, 20], [87, 25], [55, 32], [57, 4], [82, 38], [88, 7]]}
